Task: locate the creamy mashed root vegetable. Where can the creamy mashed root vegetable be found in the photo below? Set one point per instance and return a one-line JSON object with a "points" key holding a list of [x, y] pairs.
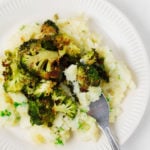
{"points": [[14, 106]]}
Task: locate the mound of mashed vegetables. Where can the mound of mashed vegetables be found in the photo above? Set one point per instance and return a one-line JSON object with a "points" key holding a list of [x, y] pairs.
{"points": [[50, 74]]}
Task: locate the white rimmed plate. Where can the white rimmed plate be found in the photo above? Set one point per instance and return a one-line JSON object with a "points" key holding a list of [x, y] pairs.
{"points": [[117, 31]]}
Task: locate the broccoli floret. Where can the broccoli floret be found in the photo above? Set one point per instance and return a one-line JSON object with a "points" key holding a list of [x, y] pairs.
{"points": [[17, 81], [93, 76], [82, 78], [58, 95], [49, 28], [38, 60], [15, 84], [62, 40], [44, 88], [41, 64], [68, 107], [67, 60], [14, 80], [89, 58], [100, 67], [64, 103], [72, 50], [91, 70], [15, 77], [48, 44], [87, 75], [40, 89], [31, 47], [40, 111], [65, 44]]}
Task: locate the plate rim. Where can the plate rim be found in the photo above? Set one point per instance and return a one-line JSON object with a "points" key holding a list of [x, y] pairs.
{"points": [[133, 28]]}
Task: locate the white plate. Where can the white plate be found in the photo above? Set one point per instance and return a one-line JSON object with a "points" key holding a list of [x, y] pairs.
{"points": [[117, 30]]}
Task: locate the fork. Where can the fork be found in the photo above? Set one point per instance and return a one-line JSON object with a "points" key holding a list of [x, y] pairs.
{"points": [[100, 111]]}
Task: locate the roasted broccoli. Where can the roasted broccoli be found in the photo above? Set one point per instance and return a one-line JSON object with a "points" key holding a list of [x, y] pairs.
{"points": [[15, 78], [64, 42], [91, 70], [64, 103], [30, 47], [44, 88], [38, 60], [49, 28], [93, 76], [41, 89], [48, 43], [89, 58], [100, 67], [41, 64], [87, 75], [58, 95], [67, 60], [68, 107], [40, 111], [82, 77]]}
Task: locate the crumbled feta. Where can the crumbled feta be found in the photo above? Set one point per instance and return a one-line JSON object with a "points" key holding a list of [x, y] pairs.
{"points": [[71, 72]]}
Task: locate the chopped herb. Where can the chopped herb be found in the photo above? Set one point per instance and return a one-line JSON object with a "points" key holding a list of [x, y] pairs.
{"points": [[80, 125], [59, 141], [108, 99], [83, 110], [60, 129], [83, 125], [22, 27], [119, 77], [5, 113], [16, 104]]}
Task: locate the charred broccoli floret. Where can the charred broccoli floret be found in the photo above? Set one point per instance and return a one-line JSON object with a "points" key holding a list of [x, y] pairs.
{"points": [[68, 107], [43, 88], [40, 111], [94, 68], [58, 95], [48, 44], [65, 44], [87, 75], [89, 58], [31, 47], [99, 65], [67, 60], [39, 90], [49, 28], [14, 77], [62, 40], [82, 77], [93, 76], [38, 60], [64, 103], [41, 64]]}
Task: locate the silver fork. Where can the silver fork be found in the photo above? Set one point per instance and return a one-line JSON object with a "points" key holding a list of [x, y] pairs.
{"points": [[100, 111]]}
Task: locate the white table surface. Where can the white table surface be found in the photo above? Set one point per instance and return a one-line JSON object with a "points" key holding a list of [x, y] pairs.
{"points": [[138, 11]]}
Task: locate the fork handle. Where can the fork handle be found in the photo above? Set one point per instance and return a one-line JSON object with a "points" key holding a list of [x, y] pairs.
{"points": [[112, 141]]}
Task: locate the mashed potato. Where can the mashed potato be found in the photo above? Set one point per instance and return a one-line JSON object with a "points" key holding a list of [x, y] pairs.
{"points": [[120, 83]]}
